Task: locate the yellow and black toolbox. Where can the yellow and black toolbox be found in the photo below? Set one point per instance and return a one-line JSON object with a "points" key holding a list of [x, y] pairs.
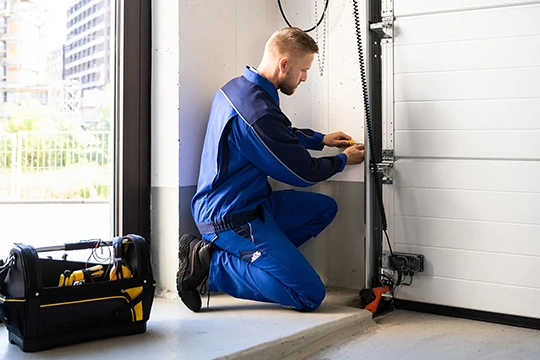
{"points": [[47, 302]]}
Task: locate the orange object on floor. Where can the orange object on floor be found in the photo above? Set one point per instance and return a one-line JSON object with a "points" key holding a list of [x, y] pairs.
{"points": [[378, 291]]}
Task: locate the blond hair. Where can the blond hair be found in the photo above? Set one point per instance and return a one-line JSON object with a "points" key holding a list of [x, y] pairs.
{"points": [[291, 41]]}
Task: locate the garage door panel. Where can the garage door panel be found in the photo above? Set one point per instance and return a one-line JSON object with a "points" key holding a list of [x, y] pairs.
{"points": [[503, 114], [517, 208], [415, 7], [480, 55], [466, 139], [494, 237], [507, 176], [500, 22], [480, 266], [515, 144], [468, 85], [492, 297]]}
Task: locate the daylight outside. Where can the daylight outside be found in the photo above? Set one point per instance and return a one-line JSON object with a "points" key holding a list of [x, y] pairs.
{"points": [[56, 120]]}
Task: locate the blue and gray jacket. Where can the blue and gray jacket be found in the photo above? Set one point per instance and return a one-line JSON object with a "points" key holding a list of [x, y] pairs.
{"points": [[249, 138]]}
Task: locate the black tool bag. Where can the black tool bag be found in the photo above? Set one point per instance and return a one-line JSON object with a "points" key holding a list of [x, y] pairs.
{"points": [[41, 310]]}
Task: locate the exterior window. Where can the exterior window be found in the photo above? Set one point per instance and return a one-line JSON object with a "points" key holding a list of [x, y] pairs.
{"points": [[59, 157]]}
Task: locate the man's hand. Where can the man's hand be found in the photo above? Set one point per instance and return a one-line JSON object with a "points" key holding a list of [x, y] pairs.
{"points": [[355, 154], [337, 139]]}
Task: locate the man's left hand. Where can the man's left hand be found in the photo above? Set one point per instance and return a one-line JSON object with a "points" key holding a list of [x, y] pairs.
{"points": [[337, 139]]}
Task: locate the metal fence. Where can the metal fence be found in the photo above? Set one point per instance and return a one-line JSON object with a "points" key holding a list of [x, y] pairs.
{"points": [[55, 165]]}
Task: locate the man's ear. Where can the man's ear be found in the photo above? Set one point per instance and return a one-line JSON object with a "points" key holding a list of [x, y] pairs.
{"points": [[283, 64]]}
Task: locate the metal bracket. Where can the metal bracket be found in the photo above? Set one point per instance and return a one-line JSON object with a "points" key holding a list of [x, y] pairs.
{"points": [[385, 28], [385, 167]]}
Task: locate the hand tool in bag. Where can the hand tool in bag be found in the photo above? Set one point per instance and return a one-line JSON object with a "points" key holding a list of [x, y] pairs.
{"points": [[77, 277], [65, 279], [80, 276]]}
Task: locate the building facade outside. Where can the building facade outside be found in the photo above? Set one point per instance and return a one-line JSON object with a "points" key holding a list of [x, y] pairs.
{"points": [[88, 45]]}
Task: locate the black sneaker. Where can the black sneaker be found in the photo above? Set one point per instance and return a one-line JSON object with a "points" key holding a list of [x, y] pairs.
{"points": [[194, 257]]}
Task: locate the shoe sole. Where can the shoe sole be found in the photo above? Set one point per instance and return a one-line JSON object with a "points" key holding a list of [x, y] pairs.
{"points": [[183, 248]]}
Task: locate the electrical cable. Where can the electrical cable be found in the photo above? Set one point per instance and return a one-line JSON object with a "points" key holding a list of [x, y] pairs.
{"points": [[400, 277], [388, 240], [310, 29], [388, 281], [98, 258], [410, 281]]}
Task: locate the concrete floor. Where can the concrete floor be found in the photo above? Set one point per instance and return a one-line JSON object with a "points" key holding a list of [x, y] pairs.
{"points": [[245, 330], [408, 335], [231, 329]]}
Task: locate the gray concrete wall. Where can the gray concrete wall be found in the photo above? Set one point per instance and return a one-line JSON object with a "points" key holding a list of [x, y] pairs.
{"points": [[344, 238], [187, 225], [337, 254]]}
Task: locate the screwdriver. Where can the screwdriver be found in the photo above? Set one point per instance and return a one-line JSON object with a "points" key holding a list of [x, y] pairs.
{"points": [[69, 278], [87, 273]]}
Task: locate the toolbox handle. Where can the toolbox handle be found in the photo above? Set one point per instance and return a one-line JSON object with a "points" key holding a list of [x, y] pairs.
{"points": [[81, 245]]}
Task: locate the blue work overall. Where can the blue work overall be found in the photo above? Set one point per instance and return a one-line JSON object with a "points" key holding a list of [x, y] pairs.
{"points": [[257, 231]]}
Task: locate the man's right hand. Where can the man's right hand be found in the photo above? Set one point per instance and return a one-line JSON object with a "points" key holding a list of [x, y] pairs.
{"points": [[355, 154]]}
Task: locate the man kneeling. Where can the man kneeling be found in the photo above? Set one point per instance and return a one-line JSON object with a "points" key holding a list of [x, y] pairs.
{"points": [[251, 234]]}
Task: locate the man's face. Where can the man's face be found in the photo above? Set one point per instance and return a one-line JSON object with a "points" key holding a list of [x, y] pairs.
{"points": [[295, 72]]}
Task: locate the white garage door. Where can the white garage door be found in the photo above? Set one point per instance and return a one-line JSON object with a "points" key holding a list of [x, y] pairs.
{"points": [[466, 117]]}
